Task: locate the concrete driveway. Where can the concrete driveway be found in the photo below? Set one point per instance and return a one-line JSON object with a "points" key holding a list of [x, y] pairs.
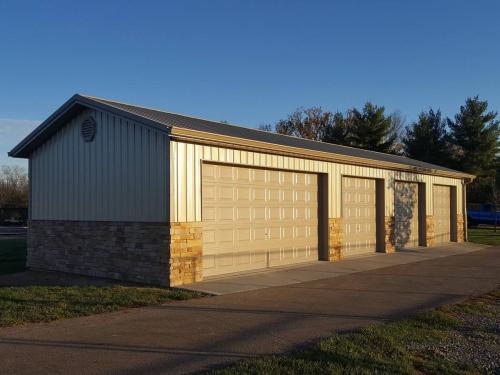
{"points": [[277, 276], [199, 334]]}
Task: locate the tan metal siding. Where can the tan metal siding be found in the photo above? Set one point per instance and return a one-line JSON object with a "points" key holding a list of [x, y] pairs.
{"points": [[122, 175], [180, 162]]}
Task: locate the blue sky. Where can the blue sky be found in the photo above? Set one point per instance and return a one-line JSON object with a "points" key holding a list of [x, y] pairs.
{"points": [[247, 62]]}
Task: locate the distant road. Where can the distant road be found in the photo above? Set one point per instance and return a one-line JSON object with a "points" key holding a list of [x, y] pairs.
{"points": [[12, 231]]}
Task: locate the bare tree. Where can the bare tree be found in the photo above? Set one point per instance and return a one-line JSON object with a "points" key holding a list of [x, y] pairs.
{"points": [[398, 123], [310, 123], [13, 186], [266, 127]]}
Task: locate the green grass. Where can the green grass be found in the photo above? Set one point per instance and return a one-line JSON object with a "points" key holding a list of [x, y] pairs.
{"points": [[12, 255], [483, 235], [408, 346], [46, 303], [32, 304]]}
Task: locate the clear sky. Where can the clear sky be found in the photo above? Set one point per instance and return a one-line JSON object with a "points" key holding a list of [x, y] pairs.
{"points": [[247, 62]]}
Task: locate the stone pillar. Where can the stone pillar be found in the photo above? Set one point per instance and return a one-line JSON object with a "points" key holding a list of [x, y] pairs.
{"points": [[389, 235], [186, 251], [429, 230], [334, 239], [460, 228]]}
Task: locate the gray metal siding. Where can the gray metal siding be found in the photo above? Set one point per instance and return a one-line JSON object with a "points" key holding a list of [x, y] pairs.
{"points": [[122, 175]]}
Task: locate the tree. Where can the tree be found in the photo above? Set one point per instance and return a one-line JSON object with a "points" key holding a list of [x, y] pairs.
{"points": [[398, 125], [337, 131], [475, 134], [310, 123], [371, 129], [266, 127], [13, 187], [427, 138]]}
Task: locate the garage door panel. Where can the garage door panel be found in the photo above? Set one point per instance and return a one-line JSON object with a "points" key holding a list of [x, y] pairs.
{"points": [[243, 236], [259, 194], [209, 262], [225, 258], [225, 174], [210, 214], [300, 196], [209, 238], [226, 193], [274, 177], [225, 214], [259, 176], [208, 193], [209, 172], [243, 175], [272, 216], [244, 257], [258, 213], [274, 195], [359, 216], [442, 213], [286, 178], [274, 213], [243, 193], [243, 214], [299, 179]]}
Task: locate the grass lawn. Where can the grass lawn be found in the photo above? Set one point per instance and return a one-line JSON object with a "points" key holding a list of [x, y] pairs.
{"points": [[29, 304], [455, 339], [12, 255], [484, 235], [45, 303]]}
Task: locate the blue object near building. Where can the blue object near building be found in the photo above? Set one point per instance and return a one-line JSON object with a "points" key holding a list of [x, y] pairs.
{"points": [[482, 214]]}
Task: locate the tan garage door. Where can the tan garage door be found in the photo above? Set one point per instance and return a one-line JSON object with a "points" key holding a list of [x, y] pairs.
{"points": [[358, 216], [405, 214], [257, 218], [442, 224]]}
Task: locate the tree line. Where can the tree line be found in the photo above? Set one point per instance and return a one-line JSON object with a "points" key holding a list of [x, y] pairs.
{"points": [[468, 142], [13, 187]]}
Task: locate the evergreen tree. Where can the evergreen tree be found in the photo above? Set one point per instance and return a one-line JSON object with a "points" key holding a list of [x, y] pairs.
{"points": [[371, 129], [338, 131], [475, 134], [426, 139]]}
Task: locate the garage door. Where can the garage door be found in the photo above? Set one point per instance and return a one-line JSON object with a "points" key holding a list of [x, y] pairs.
{"points": [[442, 224], [257, 218], [358, 216], [405, 214]]}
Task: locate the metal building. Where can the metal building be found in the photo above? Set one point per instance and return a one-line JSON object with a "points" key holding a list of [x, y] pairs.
{"points": [[133, 193]]}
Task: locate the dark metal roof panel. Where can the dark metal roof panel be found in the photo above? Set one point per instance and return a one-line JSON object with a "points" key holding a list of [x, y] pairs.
{"points": [[176, 120]]}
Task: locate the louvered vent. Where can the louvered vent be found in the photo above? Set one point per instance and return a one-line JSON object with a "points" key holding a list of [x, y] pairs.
{"points": [[88, 129]]}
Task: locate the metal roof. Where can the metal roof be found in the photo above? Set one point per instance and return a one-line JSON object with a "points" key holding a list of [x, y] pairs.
{"points": [[168, 120]]}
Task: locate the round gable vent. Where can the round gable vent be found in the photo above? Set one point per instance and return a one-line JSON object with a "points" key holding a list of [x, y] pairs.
{"points": [[88, 129]]}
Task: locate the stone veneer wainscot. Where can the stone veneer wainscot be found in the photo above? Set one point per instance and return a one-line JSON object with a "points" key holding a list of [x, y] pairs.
{"points": [[136, 252]]}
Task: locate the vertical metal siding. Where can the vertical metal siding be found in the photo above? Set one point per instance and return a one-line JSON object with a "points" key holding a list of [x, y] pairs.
{"points": [[185, 176], [122, 175]]}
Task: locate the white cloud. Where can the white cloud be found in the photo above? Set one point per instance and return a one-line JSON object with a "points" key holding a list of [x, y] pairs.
{"points": [[12, 132]]}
